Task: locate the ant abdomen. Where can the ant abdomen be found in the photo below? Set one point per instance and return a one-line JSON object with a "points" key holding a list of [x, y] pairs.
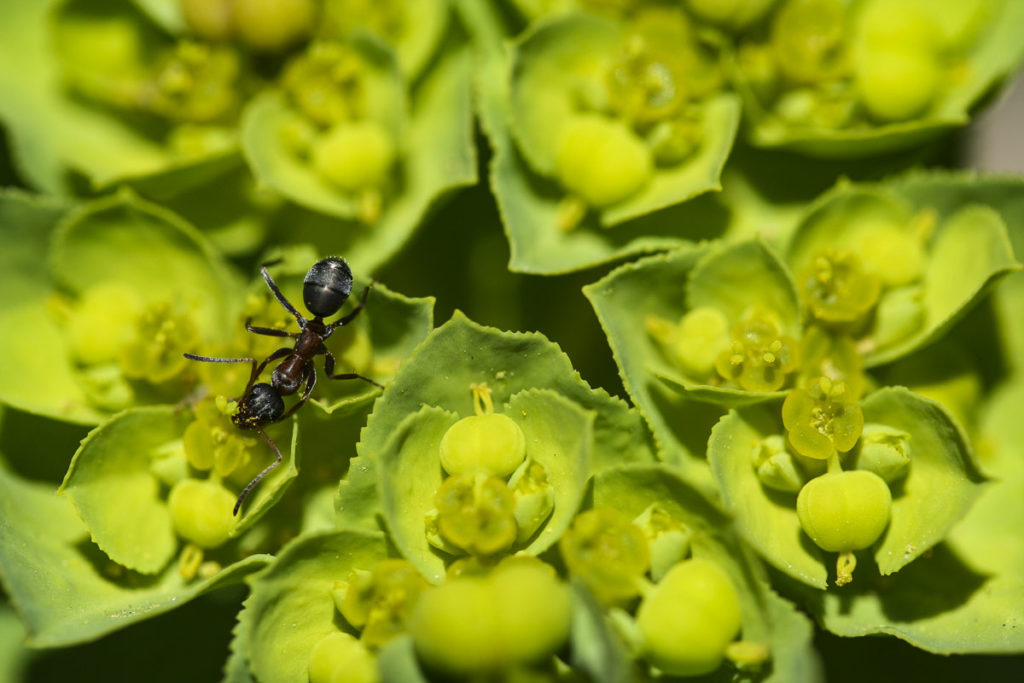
{"points": [[327, 286]]}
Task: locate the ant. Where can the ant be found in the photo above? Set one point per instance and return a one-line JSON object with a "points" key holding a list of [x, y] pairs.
{"points": [[325, 289]]}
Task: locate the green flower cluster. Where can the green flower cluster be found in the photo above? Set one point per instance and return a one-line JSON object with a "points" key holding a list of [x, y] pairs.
{"points": [[807, 424]]}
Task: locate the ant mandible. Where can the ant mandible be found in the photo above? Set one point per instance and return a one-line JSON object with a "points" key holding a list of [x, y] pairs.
{"points": [[325, 289]]}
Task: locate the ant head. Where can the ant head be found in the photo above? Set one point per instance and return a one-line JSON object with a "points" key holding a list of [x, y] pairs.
{"points": [[262, 406], [326, 287]]}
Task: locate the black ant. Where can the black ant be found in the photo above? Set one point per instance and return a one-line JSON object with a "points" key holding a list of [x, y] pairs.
{"points": [[325, 289]]}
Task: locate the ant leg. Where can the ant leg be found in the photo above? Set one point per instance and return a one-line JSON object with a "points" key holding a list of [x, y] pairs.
{"points": [[310, 383], [268, 331], [249, 487], [348, 318], [329, 369], [277, 293]]}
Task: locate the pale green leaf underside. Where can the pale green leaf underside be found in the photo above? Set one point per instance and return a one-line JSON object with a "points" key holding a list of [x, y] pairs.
{"points": [[61, 583], [291, 605]]}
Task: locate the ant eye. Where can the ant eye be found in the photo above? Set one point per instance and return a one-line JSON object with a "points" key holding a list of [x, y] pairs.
{"points": [[326, 287]]}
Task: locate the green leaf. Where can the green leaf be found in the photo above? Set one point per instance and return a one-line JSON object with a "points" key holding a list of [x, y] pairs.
{"points": [[994, 55], [113, 471], [14, 656], [412, 29], [291, 608], [939, 488], [64, 588], [111, 475], [236, 668], [461, 353], [529, 205], [767, 618], [560, 58], [56, 134], [232, 211], [124, 239], [949, 191], [356, 504], [968, 253], [765, 518], [666, 287], [942, 483], [767, 284], [36, 374], [596, 648], [397, 660], [559, 436], [438, 156], [966, 595], [165, 13], [409, 475]]}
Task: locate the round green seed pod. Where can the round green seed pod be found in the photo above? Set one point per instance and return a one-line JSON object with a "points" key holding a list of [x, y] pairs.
{"points": [[493, 444], [201, 511], [897, 84], [475, 624], [272, 25], [844, 511], [340, 658], [454, 629], [533, 606], [688, 618], [355, 156], [601, 159]]}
